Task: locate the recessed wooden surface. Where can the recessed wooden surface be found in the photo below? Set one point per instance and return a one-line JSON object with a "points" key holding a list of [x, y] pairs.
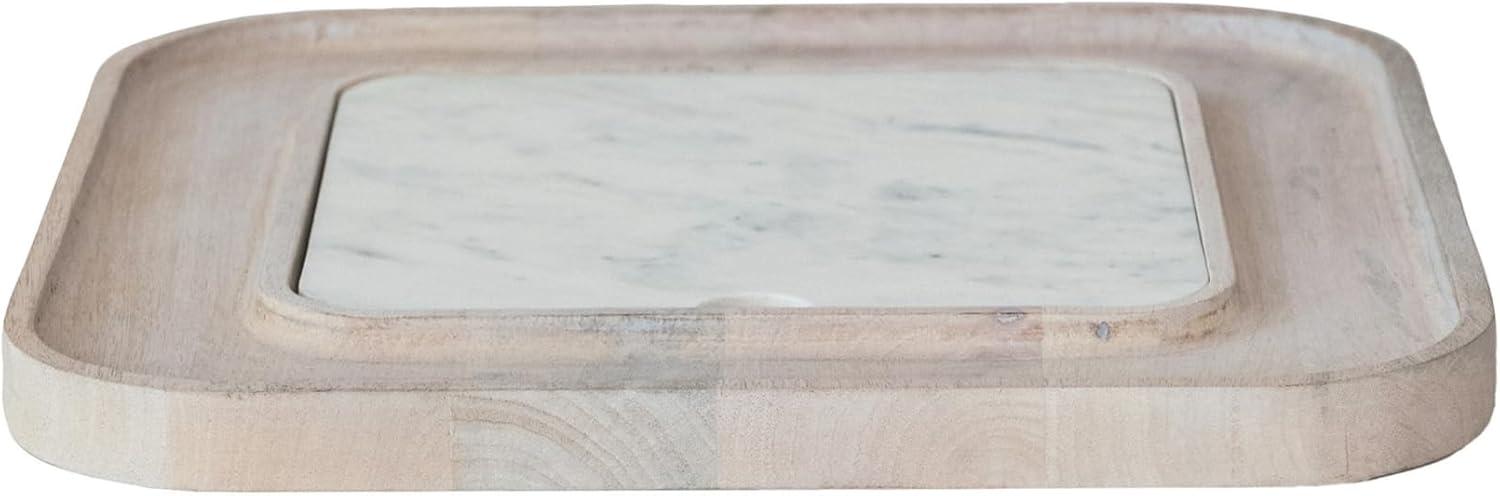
{"points": [[1017, 186], [1346, 330]]}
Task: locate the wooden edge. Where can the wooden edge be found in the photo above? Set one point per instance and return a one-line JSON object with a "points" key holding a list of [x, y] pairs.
{"points": [[1347, 430], [1436, 190], [59, 408], [1436, 180], [20, 316], [1476, 312]]}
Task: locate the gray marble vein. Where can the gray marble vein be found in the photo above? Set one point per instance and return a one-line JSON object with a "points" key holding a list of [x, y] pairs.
{"points": [[1009, 187]]}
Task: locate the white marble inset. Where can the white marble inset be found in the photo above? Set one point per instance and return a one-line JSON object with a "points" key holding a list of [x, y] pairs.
{"points": [[1010, 187]]}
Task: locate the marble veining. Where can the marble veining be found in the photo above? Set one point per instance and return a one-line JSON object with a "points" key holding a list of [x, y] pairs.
{"points": [[1059, 186]]}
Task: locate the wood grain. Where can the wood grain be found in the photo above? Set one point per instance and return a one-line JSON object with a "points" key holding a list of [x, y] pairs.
{"points": [[156, 337]]}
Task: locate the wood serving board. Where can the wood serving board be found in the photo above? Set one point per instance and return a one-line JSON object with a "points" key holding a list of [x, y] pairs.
{"points": [[1231, 253]]}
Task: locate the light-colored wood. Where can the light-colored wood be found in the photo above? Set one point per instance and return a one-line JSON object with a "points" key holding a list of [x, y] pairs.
{"points": [[155, 336]]}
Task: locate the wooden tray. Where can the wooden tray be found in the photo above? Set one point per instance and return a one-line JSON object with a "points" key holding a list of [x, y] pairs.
{"points": [[184, 322]]}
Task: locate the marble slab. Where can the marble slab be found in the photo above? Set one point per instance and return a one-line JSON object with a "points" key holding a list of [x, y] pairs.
{"points": [[1024, 186]]}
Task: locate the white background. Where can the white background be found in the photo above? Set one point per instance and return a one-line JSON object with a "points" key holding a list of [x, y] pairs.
{"points": [[49, 51]]}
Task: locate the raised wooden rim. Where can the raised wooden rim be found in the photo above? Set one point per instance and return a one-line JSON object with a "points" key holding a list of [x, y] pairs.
{"points": [[270, 309]]}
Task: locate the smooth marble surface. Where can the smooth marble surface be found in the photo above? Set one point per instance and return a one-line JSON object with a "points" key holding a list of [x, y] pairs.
{"points": [[1009, 187]]}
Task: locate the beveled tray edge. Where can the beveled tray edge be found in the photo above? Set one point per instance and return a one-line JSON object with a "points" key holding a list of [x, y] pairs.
{"points": [[63, 431]]}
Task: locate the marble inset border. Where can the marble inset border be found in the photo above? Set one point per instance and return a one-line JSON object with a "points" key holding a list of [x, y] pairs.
{"points": [[282, 316]]}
